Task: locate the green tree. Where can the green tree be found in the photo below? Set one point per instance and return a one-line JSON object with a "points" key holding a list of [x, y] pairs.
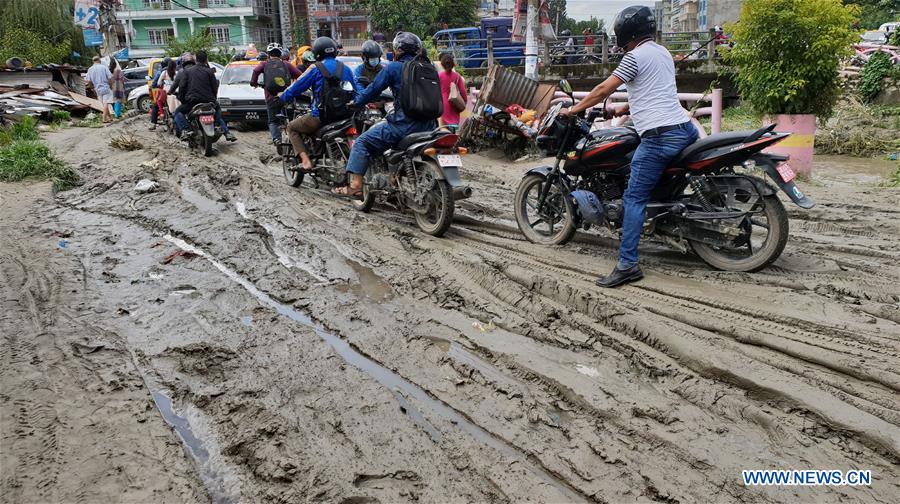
{"points": [[300, 34], [787, 54], [873, 13], [391, 16], [558, 14], [456, 13], [40, 32], [200, 40]]}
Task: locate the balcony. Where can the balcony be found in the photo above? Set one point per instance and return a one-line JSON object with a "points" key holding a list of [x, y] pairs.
{"points": [[165, 9], [324, 9]]}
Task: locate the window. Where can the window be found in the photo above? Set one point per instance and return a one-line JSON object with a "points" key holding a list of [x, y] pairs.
{"points": [[159, 36], [220, 34]]}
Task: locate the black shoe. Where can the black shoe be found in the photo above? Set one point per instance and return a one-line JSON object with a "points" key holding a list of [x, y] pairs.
{"points": [[619, 277], [230, 137]]}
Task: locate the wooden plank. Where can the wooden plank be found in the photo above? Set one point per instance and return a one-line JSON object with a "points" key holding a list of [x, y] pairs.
{"points": [[90, 102]]}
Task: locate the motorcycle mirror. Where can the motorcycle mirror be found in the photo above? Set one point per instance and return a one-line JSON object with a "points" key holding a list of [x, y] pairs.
{"points": [[565, 87]]}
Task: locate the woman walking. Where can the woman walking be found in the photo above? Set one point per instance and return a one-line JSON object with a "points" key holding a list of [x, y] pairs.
{"points": [[453, 89], [118, 86]]}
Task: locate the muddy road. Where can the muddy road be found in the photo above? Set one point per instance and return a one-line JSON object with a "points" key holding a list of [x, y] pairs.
{"points": [[227, 338]]}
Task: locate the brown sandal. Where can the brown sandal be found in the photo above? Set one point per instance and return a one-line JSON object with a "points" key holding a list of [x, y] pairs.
{"points": [[347, 192]]}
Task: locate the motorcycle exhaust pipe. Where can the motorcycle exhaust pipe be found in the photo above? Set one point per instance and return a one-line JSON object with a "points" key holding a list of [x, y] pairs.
{"points": [[461, 192]]}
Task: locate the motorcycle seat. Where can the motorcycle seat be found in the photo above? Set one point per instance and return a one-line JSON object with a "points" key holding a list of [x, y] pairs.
{"points": [[712, 142], [203, 108], [420, 137], [336, 126]]}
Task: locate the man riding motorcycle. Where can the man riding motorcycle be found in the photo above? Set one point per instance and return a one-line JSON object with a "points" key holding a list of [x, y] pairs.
{"points": [[325, 50], [397, 125], [196, 84], [648, 72], [372, 64]]}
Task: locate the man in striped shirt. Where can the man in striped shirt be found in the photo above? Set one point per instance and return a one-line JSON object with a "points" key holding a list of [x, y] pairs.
{"points": [[648, 72]]}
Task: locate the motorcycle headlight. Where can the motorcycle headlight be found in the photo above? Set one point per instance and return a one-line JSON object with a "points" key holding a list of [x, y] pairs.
{"points": [[224, 102]]}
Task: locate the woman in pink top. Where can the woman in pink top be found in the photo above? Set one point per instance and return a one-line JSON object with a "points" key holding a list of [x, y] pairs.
{"points": [[448, 76]]}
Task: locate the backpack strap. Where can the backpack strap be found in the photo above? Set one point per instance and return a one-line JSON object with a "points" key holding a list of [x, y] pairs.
{"points": [[339, 71], [324, 71]]}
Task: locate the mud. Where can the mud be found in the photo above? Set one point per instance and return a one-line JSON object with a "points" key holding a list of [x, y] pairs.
{"points": [[305, 352]]}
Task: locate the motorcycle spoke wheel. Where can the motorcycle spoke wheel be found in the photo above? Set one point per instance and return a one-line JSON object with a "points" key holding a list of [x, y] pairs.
{"points": [[551, 223]]}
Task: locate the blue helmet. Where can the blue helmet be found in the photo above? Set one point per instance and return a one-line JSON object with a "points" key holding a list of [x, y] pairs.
{"points": [[589, 207]]}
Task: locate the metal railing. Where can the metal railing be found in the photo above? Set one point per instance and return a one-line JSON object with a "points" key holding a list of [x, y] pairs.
{"points": [[146, 5]]}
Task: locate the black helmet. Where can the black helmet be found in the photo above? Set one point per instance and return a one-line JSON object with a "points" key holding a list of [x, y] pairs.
{"points": [[565, 33], [324, 47], [371, 49], [634, 23], [406, 43]]}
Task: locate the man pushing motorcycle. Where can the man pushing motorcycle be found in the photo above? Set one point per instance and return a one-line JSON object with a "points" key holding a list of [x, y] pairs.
{"points": [[648, 72]]}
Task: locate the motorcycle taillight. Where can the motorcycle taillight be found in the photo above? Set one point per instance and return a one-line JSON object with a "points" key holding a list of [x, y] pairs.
{"points": [[206, 119], [445, 142], [351, 131]]}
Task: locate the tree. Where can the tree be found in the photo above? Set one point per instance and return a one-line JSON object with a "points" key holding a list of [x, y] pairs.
{"points": [[200, 40], [41, 32], [558, 14], [873, 13], [391, 16], [456, 13], [787, 54]]}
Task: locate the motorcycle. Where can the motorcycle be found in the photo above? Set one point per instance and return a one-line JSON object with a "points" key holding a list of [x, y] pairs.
{"points": [[203, 128], [704, 200], [420, 174]]}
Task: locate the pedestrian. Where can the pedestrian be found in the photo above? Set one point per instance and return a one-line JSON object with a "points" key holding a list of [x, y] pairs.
{"points": [[588, 40], [118, 86], [453, 90], [100, 77], [648, 71]]}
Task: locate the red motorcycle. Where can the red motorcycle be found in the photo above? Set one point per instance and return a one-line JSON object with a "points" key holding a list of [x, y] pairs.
{"points": [[708, 200]]}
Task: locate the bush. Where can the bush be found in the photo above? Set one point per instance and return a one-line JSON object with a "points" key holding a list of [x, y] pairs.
{"points": [[60, 116], [23, 155], [787, 54], [872, 76], [32, 46]]}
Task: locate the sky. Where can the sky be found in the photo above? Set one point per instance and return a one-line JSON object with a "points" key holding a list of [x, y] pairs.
{"points": [[603, 9]]}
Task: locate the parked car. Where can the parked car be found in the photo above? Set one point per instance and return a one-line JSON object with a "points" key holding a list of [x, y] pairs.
{"points": [[874, 37], [469, 45], [240, 102], [141, 96], [135, 78]]}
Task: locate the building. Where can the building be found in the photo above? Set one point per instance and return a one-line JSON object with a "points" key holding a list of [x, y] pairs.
{"points": [[496, 8], [148, 24], [719, 12], [341, 20], [684, 16]]}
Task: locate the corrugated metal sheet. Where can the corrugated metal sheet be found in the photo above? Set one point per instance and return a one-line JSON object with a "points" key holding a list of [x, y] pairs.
{"points": [[504, 87]]}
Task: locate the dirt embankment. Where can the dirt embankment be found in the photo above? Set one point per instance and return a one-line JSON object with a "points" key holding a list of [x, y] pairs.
{"points": [[300, 351]]}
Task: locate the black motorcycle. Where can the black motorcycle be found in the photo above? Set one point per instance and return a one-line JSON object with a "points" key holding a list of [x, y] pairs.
{"points": [[203, 131], [420, 174], [705, 200]]}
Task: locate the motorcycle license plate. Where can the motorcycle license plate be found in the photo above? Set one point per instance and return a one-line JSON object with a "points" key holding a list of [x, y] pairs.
{"points": [[786, 172], [206, 119], [449, 160]]}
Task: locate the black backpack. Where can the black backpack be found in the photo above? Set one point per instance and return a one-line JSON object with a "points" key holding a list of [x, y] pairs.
{"points": [[276, 76], [420, 90], [333, 98]]}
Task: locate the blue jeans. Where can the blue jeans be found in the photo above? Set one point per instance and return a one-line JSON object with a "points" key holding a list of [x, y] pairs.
{"points": [[181, 121], [380, 138], [649, 160], [273, 108]]}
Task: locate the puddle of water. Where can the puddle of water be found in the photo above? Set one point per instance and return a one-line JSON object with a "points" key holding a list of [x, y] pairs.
{"points": [[392, 381], [247, 320], [587, 370], [214, 482], [183, 290], [368, 284]]}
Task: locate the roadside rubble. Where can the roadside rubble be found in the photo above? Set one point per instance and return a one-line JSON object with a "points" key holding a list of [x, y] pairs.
{"points": [[40, 91]]}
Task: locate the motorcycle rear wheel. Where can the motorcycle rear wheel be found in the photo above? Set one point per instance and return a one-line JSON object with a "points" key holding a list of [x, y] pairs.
{"points": [[777, 221], [558, 213], [436, 221]]}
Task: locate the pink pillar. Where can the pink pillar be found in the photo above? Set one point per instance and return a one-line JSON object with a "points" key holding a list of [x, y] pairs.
{"points": [[717, 110], [799, 146]]}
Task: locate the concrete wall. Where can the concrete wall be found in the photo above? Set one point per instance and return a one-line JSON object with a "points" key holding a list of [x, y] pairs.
{"points": [[719, 12]]}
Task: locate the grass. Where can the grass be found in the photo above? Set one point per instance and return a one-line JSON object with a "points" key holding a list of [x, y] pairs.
{"points": [[23, 155], [60, 116], [737, 118], [92, 120]]}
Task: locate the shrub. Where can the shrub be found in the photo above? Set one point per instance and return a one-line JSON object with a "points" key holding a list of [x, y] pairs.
{"points": [[787, 54], [872, 76], [23, 155], [60, 116], [32, 46]]}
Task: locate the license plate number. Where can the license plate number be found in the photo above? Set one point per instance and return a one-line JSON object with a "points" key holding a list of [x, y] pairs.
{"points": [[786, 172], [449, 160], [206, 119], [252, 116]]}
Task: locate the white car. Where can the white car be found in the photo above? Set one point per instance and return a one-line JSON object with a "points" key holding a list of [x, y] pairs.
{"points": [[139, 97], [240, 102]]}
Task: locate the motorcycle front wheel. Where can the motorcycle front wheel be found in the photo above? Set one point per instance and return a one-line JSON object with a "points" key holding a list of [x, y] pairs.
{"points": [[439, 201], [554, 222]]}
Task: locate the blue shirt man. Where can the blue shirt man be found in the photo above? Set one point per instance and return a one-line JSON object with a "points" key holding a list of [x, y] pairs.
{"points": [[310, 123], [383, 135]]}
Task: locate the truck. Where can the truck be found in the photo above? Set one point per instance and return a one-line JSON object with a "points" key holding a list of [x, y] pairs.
{"points": [[469, 46]]}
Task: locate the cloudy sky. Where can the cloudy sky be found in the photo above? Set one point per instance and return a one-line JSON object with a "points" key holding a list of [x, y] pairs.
{"points": [[603, 9]]}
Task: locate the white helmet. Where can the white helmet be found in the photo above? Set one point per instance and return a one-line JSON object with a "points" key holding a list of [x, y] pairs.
{"points": [[272, 47]]}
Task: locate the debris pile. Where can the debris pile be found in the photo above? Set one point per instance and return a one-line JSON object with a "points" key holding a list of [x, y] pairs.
{"points": [[41, 91]]}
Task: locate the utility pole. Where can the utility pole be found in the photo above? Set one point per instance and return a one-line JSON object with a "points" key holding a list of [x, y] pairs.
{"points": [[108, 26], [532, 29]]}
